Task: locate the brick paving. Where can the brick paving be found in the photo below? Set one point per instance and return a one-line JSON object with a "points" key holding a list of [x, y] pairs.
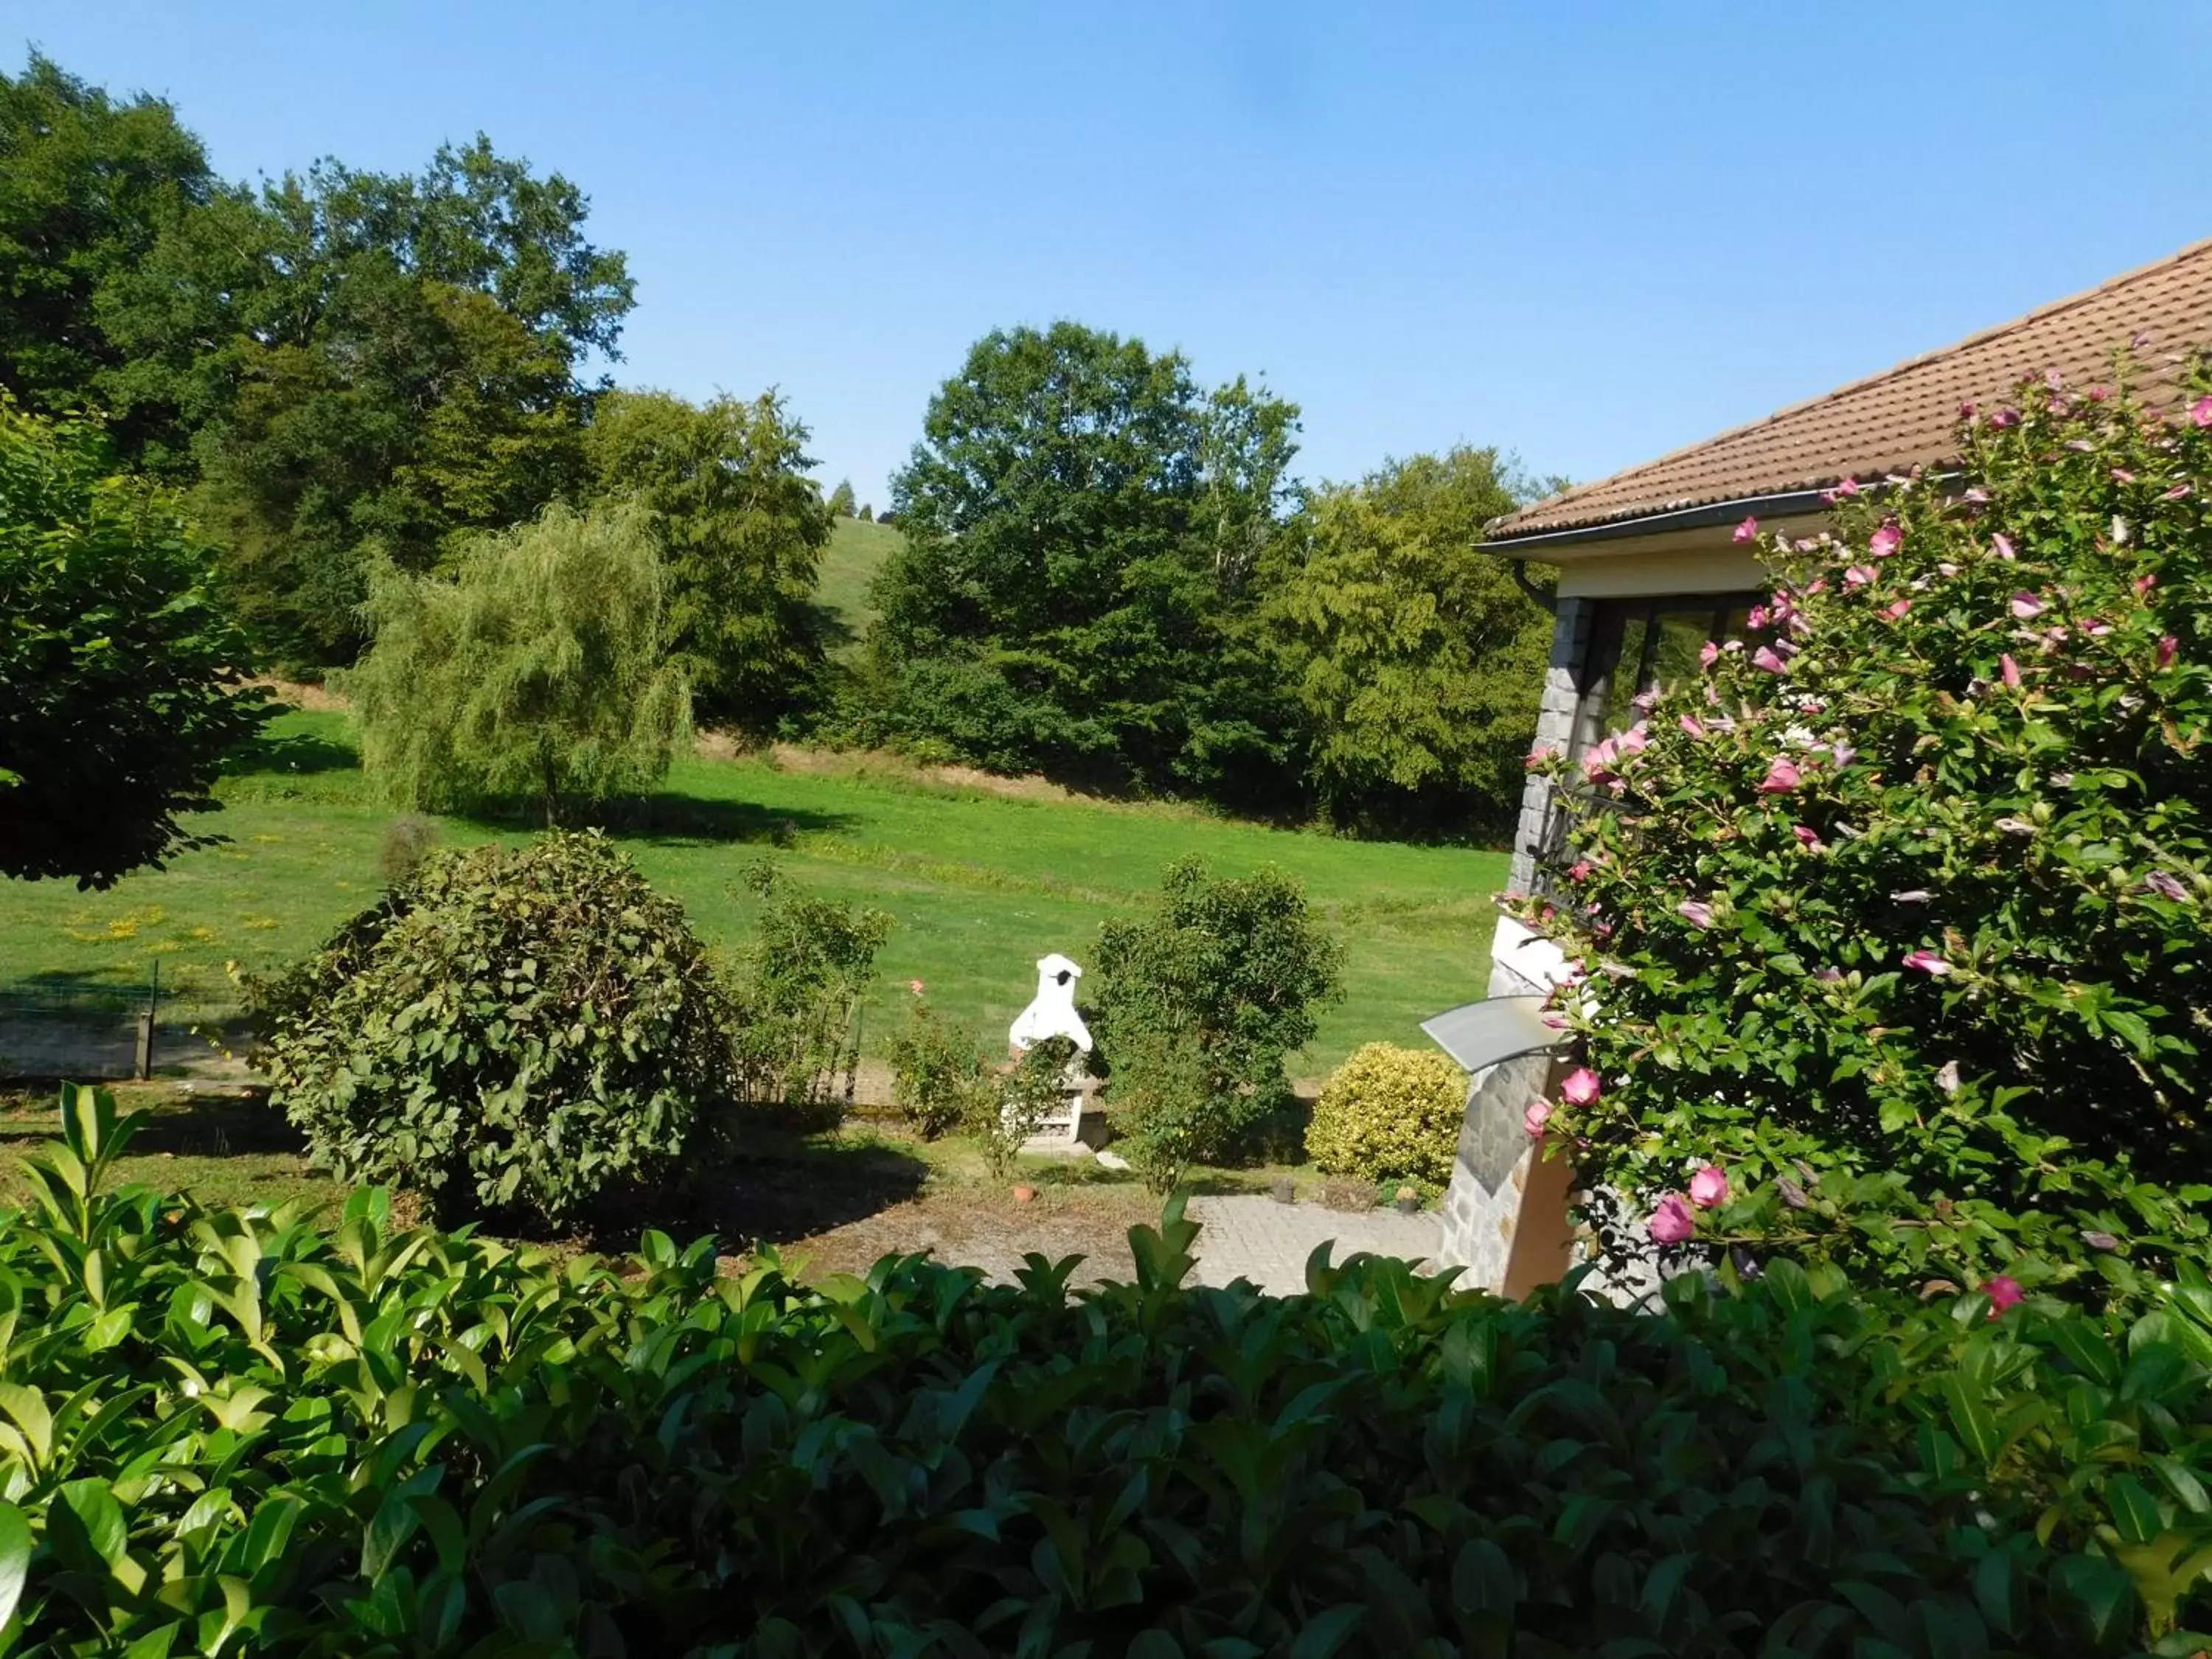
{"points": [[1252, 1236]]}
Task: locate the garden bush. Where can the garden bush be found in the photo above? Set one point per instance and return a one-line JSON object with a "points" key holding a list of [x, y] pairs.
{"points": [[1013, 1102], [936, 1070], [510, 1033], [237, 1432], [1891, 925], [1389, 1112], [797, 985], [1199, 1002]]}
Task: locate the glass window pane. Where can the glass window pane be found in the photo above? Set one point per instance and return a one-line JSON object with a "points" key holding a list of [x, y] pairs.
{"points": [[1680, 635], [1613, 712]]}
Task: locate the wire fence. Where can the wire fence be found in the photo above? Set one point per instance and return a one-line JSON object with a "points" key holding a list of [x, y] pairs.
{"points": [[88, 1030]]}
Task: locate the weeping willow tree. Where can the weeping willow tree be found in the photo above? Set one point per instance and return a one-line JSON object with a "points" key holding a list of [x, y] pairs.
{"points": [[538, 671]]}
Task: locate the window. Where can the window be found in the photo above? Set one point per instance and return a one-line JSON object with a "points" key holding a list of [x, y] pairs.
{"points": [[1638, 644], [1634, 645]]}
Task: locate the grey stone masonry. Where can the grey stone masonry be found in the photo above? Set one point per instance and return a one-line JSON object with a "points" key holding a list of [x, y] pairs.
{"points": [[1555, 724]]}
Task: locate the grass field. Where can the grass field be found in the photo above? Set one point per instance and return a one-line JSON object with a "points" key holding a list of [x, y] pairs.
{"points": [[849, 563], [982, 883]]}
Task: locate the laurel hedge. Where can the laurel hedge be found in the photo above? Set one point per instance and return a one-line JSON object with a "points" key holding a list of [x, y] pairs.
{"points": [[242, 1432]]}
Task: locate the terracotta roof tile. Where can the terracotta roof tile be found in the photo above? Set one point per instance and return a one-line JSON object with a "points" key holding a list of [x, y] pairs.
{"points": [[1909, 415]]}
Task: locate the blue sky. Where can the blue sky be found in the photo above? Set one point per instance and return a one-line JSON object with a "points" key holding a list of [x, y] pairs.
{"points": [[1588, 233]]}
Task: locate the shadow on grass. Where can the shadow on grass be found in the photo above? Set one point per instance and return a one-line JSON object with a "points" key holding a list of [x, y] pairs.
{"points": [[671, 819], [782, 1187], [290, 752]]}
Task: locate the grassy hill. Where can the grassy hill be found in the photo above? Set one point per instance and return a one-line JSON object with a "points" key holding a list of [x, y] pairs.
{"points": [[982, 883], [849, 563]]}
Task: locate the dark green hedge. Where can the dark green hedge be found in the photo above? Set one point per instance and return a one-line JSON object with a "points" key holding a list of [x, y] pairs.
{"points": [[228, 1430]]}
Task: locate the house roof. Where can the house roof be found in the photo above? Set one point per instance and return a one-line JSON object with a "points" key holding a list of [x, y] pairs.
{"points": [[1908, 415]]}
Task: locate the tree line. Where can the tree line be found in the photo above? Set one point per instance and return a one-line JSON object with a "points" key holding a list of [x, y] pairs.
{"points": [[384, 404]]}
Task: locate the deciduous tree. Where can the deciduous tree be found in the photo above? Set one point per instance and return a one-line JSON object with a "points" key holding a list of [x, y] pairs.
{"points": [[539, 671], [87, 186], [1416, 658], [741, 529], [1078, 520], [119, 670]]}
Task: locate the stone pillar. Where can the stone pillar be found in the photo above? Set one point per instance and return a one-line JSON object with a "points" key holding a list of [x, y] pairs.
{"points": [[1505, 1213], [1555, 727]]}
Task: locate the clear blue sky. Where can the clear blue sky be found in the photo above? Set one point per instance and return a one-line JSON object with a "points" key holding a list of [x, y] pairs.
{"points": [[1588, 233]]}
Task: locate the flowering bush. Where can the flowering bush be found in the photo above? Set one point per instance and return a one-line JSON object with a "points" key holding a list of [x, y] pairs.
{"points": [[1389, 1111], [1894, 919]]}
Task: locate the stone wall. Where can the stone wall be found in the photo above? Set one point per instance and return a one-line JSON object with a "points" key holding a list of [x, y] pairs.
{"points": [[1501, 1221], [1555, 724]]}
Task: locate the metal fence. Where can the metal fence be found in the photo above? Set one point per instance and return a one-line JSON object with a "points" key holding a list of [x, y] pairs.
{"points": [[89, 1030]]}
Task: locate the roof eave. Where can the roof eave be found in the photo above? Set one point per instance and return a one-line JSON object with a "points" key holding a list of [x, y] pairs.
{"points": [[1781, 504]]}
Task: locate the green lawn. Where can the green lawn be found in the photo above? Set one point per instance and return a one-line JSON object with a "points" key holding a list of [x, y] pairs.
{"points": [[849, 563], [981, 884]]}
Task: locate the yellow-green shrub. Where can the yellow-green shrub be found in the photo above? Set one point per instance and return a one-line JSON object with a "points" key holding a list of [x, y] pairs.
{"points": [[1389, 1111]]}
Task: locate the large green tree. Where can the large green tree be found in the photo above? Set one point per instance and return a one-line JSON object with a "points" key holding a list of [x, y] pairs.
{"points": [[1416, 657], [539, 672], [88, 184], [118, 672], [741, 528], [374, 366], [1082, 527]]}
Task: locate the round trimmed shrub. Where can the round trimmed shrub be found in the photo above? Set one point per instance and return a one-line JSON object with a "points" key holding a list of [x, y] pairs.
{"points": [[511, 1033], [1389, 1112]]}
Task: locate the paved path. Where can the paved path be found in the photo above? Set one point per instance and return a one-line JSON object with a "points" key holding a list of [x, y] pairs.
{"points": [[1252, 1236]]}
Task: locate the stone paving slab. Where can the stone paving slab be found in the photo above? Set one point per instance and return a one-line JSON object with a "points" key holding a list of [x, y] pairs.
{"points": [[1250, 1236]]}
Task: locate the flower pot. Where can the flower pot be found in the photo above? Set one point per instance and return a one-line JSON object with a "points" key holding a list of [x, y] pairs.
{"points": [[1024, 1194]]}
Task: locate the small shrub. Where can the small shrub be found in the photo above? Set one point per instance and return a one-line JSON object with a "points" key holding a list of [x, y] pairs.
{"points": [[408, 841], [1004, 1114], [797, 987], [436, 1443], [1166, 1108], [935, 1072], [1389, 1112], [1201, 1001], [514, 1033], [1892, 929]]}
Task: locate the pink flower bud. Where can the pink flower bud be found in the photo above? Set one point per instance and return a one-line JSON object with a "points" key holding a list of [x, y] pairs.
{"points": [[1806, 835], [1858, 575], [1533, 1120], [1697, 914], [1708, 654], [1895, 612], [1672, 1221], [2166, 886], [1579, 870], [1747, 531], [1847, 487], [1708, 1188], [1782, 776], [2025, 604], [1580, 1087], [1765, 658], [1690, 724], [1927, 963], [2200, 412], [2011, 669], [2166, 646]]}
